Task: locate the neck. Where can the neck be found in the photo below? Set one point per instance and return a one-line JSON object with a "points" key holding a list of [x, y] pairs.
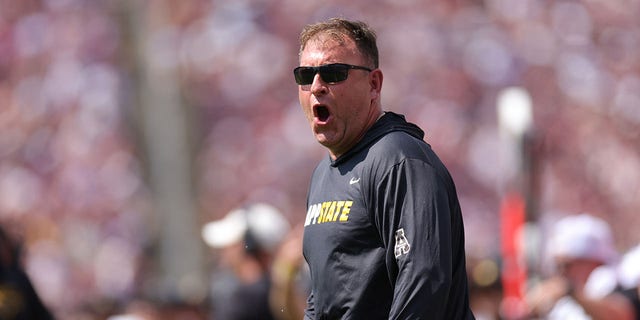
{"points": [[374, 116]]}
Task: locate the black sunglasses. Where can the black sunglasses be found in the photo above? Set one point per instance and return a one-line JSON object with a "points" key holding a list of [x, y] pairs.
{"points": [[330, 73]]}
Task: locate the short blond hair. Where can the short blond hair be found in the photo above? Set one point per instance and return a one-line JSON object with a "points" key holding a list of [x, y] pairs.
{"points": [[337, 28]]}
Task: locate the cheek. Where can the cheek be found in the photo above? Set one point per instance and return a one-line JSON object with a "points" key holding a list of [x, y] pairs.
{"points": [[353, 102]]}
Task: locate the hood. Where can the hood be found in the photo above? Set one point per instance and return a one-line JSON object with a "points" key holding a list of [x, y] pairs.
{"points": [[389, 122]]}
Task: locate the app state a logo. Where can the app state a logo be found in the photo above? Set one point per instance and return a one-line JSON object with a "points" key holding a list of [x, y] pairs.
{"points": [[402, 244]]}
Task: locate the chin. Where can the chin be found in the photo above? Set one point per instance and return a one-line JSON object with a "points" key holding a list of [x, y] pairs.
{"points": [[322, 139]]}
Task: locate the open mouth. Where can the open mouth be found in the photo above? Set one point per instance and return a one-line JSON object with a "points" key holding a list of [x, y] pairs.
{"points": [[322, 113]]}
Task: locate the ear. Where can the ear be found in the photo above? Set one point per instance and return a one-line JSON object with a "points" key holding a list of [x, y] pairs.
{"points": [[375, 83]]}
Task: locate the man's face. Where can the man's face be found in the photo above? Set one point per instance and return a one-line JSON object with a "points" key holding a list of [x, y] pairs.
{"points": [[339, 113]]}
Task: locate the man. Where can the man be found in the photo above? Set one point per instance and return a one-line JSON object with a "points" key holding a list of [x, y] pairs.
{"points": [[584, 286], [383, 236], [245, 241]]}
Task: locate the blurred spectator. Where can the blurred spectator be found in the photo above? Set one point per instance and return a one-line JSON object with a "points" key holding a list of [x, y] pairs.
{"points": [[148, 310], [629, 268], [246, 240], [18, 299], [584, 286], [629, 278], [485, 287], [138, 310], [290, 278]]}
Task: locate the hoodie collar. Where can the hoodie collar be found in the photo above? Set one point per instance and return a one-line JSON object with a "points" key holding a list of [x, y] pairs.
{"points": [[389, 122]]}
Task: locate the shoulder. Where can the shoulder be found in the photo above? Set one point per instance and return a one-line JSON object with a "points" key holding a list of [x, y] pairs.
{"points": [[398, 146], [399, 149], [400, 139]]}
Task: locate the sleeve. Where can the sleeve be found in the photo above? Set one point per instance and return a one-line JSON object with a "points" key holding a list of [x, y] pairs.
{"points": [[310, 312], [413, 218]]}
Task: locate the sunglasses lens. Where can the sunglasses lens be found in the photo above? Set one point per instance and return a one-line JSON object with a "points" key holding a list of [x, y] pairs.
{"points": [[329, 73], [334, 73], [304, 75]]}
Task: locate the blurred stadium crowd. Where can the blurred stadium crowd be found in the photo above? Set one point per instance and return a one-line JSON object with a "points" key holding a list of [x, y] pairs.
{"points": [[73, 181]]}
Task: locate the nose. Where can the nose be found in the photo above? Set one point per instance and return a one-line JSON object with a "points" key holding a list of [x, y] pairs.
{"points": [[318, 86]]}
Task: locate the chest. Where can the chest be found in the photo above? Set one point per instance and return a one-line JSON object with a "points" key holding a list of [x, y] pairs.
{"points": [[338, 216]]}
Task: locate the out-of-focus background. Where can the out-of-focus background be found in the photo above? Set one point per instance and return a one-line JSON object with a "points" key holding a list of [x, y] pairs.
{"points": [[127, 125]]}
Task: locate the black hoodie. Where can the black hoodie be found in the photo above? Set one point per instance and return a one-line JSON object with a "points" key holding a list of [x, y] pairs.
{"points": [[384, 236]]}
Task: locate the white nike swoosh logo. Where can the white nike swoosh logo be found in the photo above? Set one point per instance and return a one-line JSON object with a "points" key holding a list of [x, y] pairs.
{"points": [[354, 180]]}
